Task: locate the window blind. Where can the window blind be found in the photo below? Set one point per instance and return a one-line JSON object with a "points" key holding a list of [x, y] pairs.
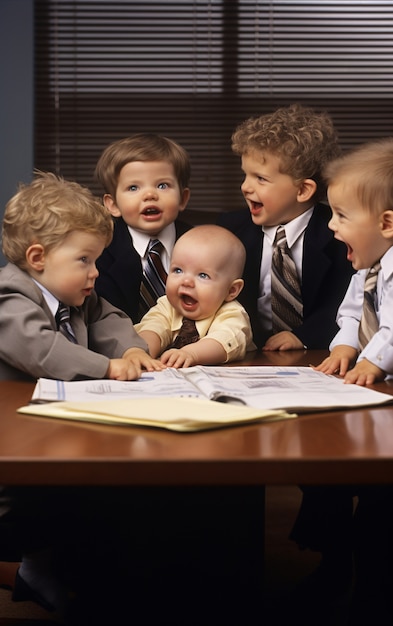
{"points": [[193, 70]]}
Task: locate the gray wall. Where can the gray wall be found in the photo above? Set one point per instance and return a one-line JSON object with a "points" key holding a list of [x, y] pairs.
{"points": [[16, 97]]}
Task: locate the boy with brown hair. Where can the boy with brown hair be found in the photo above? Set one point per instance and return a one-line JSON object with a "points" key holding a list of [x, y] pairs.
{"points": [[145, 179], [360, 192], [293, 302]]}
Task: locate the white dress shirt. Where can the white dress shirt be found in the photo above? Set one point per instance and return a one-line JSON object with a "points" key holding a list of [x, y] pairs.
{"points": [[294, 232], [141, 241], [379, 350]]}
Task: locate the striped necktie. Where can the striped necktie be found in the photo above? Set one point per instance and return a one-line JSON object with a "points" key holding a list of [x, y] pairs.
{"points": [[63, 322], [286, 297], [187, 334], [153, 279], [368, 322]]}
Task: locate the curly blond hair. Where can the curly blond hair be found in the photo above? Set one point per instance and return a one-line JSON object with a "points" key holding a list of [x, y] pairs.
{"points": [[303, 139], [46, 211]]}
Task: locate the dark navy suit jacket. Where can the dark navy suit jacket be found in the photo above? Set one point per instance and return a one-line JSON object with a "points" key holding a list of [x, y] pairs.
{"points": [[326, 273], [120, 269]]}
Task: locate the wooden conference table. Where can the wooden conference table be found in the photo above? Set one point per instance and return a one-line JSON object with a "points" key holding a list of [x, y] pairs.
{"points": [[214, 481], [341, 446]]}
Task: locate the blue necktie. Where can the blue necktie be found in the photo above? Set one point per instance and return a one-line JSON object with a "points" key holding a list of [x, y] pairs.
{"points": [[63, 322]]}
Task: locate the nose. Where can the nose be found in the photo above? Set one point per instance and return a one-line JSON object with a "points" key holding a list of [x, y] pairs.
{"points": [[150, 193], [246, 186], [94, 273], [188, 280], [332, 224]]}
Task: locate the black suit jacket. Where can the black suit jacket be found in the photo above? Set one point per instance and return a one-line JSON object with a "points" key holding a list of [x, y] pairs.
{"points": [[120, 269], [326, 273]]}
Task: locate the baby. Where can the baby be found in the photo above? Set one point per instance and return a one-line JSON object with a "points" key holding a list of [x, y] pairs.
{"points": [[203, 283]]}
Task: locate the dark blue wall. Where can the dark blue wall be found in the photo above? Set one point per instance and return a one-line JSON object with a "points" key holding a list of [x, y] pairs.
{"points": [[16, 97]]}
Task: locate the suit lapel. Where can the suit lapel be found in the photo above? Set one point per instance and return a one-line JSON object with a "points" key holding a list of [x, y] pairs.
{"points": [[316, 263]]}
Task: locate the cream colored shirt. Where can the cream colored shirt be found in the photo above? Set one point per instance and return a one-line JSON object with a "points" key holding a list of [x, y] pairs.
{"points": [[230, 326]]}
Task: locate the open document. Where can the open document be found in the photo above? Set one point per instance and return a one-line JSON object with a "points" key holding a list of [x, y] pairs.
{"points": [[200, 397]]}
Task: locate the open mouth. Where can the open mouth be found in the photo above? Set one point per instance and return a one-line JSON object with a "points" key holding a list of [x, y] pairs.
{"points": [[187, 300], [255, 207], [151, 211]]}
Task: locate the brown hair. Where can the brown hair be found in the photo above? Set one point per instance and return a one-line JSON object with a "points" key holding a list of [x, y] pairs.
{"points": [[303, 139], [141, 147], [46, 211], [369, 168]]}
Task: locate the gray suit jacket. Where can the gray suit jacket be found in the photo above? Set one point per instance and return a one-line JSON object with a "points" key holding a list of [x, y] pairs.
{"points": [[31, 347]]}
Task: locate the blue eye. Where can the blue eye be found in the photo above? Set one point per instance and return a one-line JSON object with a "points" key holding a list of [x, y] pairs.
{"points": [[163, 186], [204, 276], [133, 187]]}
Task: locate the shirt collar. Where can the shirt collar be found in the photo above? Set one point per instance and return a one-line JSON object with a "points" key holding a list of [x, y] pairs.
{"points": [[387, 264], [141, 240], [293, 229], [51, 301], [201, 325]]}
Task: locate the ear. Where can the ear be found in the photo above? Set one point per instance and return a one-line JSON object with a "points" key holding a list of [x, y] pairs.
{"points": [[306, 190], [387, 224], [234, 290], [185, 196], [111, 205], [35, 257]]}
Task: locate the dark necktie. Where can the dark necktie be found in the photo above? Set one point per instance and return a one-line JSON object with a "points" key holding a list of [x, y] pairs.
{"points": [[154, 277], [286, 297], [368, 322], [187, 334], [63, 322]]}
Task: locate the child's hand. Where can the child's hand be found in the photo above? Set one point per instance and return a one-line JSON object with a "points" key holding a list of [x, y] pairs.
{"points": [[178, 358], [285, 340], [140, 359], [122, 369], [364, 373], [339, 361], [131, 365]]}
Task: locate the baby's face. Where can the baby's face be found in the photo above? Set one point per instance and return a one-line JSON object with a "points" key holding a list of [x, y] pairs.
{"points": [[148, 196], [199, 280], [358, 227]]}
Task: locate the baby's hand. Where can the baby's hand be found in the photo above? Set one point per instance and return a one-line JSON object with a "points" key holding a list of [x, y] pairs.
{"points": [[364, 373], [140, 359], [178, 358], [339, 361], [285, 340]]}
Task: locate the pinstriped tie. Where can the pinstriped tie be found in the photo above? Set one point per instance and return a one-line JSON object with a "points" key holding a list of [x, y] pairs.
{"points": [[368, 322], [154, 277], [286, 297], [63, 322]]}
